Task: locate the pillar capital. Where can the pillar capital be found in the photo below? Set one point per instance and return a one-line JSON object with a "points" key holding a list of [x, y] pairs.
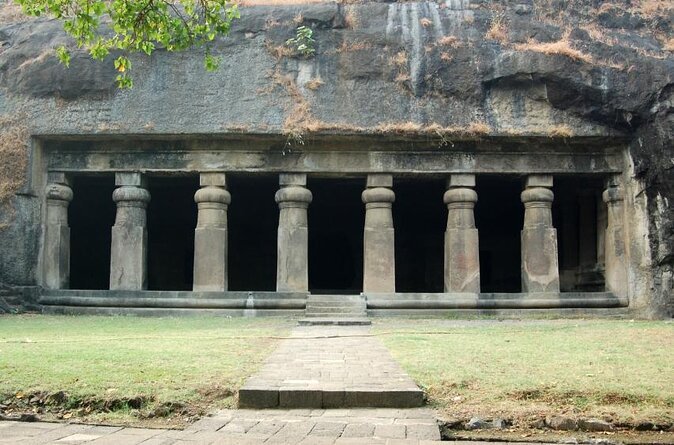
{"points": [[537, 196], [293, 196], [459, 197], [131, 196], [212, 194], [59, 192], [378, 195]]}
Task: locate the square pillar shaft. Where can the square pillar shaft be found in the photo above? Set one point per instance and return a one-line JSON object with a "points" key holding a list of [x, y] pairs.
{"points": [[379, 235], [540, 263], [128, 259], [57, 233], [462, 251], [210, 235], [292, 261]]}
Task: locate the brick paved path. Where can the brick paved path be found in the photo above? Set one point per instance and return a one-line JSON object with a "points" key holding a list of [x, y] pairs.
{"points": [[242, 427], [330, 367]]}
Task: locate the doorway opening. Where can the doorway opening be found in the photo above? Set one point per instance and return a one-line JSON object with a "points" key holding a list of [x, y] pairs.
{"points": [[252, 231], [499, 216], [91, 215], [419, 218], [336, 217], [171, 219], [580, 216]]}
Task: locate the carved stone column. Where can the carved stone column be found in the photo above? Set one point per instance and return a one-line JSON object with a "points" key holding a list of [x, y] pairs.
{"points": [[379, 236], [540, 264], [210, 235], [57, 233], [292, 260], [462, 251], [128, 259], [614, 257]]}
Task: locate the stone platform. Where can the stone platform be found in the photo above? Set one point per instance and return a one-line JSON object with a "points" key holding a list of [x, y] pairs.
{"points": [[330, 367]]}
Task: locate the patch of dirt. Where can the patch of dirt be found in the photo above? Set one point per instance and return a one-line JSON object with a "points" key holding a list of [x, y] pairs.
{"points": [[138, 411]]}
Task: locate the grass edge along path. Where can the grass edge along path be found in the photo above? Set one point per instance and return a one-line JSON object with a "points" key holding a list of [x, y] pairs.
{"points": [[129, 370], [523, 371]]}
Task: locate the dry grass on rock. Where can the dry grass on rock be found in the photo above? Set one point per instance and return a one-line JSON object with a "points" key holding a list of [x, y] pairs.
{"points": [[14, 140], [561, 47]]}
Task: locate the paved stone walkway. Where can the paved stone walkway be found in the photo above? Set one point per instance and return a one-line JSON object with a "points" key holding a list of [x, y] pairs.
{"points": [[330, 367], [243, 427]]}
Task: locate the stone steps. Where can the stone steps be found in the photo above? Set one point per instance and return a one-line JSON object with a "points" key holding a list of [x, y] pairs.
{"points": [[330, 366], [333, 321], [336, 310]]}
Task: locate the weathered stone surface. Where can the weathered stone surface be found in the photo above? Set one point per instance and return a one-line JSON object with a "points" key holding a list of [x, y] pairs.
{"points": [[594, 425], [561, 423], [379, 235], [518, 91], [128, 257], [292, 264]]}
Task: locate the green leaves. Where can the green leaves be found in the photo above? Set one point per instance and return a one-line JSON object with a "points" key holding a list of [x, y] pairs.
{"points": [[138, 26], [63, 55], [303, 42]]}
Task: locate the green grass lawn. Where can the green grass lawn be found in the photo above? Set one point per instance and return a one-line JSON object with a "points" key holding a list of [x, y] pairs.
{"points": [[192, 361], [620, 370]]}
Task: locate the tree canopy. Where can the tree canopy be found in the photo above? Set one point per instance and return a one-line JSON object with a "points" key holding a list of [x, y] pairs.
{"points": [[137, 26]]}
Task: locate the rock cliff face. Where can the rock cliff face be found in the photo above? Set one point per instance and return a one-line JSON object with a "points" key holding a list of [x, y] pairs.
{"points": [[458, 68]]}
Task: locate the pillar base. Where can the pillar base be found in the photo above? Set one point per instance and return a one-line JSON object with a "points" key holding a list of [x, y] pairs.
{"points": [[462, 262], [210, 270], [540, 268], [128, 258]]}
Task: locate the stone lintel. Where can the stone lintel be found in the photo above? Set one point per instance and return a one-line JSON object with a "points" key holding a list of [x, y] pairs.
{"points": [[379, 180], [292, 179], [539, 181], [58, 178], [461, 180], [217, 179], [136, 179]]}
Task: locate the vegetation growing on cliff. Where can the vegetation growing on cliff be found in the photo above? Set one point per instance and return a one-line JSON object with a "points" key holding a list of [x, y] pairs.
{"points": [[137, 26]]}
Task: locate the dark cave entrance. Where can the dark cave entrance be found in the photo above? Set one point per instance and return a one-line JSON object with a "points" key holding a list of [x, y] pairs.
{"points": [[252, 231], [91, 215], [419, 218], [171, 219], [336, 217], [499, 215]]}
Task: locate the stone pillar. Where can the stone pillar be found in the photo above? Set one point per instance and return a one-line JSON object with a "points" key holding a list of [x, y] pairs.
{"points": [[379, 237], [614, 242], [57, 233], [128, 258], [540, 268], [462, 252], [210, 235], [292, 260]]}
